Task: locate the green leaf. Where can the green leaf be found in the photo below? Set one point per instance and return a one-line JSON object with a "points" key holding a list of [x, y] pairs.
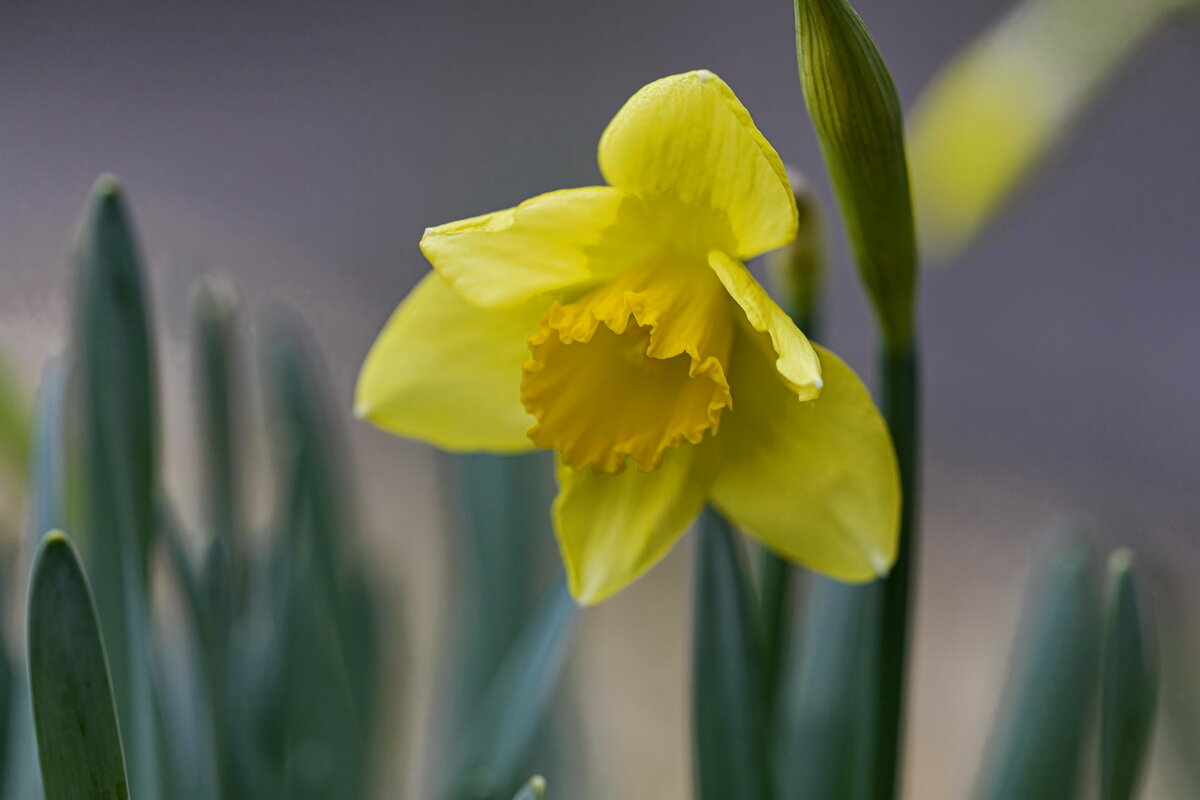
{"points": [[49, 457], [502, 510], [996, 110], [213, 312], [329, 629], [1129, 685], [79, 743], [856, 115], [113, 356], [1036, 745], [532, 790], [22, 778], [22, 774], [496, 739], [831, 699], [728, 703], [219, 591]]}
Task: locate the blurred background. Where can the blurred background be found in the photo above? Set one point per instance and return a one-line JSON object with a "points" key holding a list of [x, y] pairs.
{"points": [[300, 149]]}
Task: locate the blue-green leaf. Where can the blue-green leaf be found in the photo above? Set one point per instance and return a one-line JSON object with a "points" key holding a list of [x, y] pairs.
{"points": [[113, 357], [532, 790], [1129, 684], [502, 511], [831, 711], [329, 650], [496, 739], [1036, 746], [729, 720], [79, 743]]}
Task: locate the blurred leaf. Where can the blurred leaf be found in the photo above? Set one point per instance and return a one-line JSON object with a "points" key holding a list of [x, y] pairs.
{"points": [[1129, 685], [79, 744], [14, 422], [502, 504], [219, 588], [213, 310], [22, 777], [118, 414], [495, 741], [10, 694], [180, 671], [856, 115], [831, 699], [532, 790], [330, 651], [731, 749], [49, 456], [1180, 705], [1036, 746], [990, 117]]}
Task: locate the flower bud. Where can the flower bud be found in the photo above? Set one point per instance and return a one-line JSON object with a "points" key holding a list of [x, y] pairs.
{"points": [[854, 109]]}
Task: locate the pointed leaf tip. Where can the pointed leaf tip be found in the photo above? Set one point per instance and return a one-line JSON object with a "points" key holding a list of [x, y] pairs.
{"points": [[79, 743], [1129, 684], [107, 186], [532, 790]]}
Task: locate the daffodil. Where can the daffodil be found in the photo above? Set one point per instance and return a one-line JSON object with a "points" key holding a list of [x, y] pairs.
{"points": [[618, 326]]}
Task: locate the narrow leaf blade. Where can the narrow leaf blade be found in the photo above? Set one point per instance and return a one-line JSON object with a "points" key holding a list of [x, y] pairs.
{"points": [[497, 739], [113, 353], [1129, 686], [728, 700], [831, 700], [1037, 743], [79, 743], [993, 114]]}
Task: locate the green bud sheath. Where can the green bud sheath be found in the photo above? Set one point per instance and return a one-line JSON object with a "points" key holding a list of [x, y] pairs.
{"points": [[856, 114]]}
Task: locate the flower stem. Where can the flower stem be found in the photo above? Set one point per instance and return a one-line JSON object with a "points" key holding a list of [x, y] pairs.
{"points": [[901, 408]]}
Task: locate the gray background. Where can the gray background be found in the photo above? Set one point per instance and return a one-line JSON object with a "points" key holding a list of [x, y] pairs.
{"points": [[299, 149]]}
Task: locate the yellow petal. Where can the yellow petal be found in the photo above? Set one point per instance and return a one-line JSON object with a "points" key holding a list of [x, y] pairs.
{"points": [[796, 361], [548, 243], [816, 482], [632, 368], [449, 373], [612, 528], [687, 139]]}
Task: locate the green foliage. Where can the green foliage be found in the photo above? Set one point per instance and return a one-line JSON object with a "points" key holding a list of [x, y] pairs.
{"points": [[831, 694], [491, 749], [729, 713], [1129, 683], [267, 686], [532, 790], [1009, 99], [1037, 743], [502, 511], [78, 741], [117, 409]]}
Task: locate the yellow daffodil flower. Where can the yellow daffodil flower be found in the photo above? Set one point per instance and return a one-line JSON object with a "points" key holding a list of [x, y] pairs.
{"points": [[618, 326]]}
